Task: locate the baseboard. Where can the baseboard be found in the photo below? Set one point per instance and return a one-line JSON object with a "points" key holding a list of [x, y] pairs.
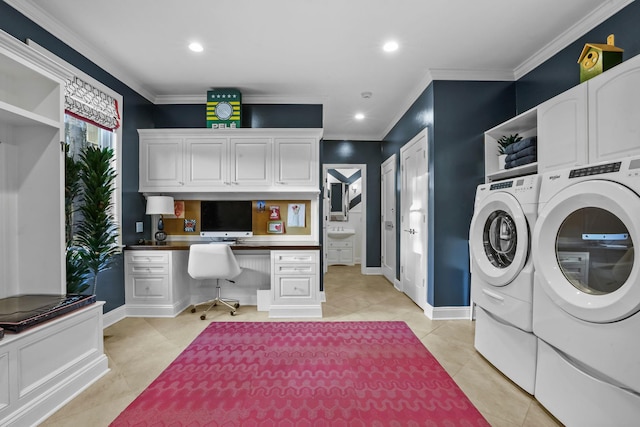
{"points": [[448, 313], [114, 316], [372, 271]]}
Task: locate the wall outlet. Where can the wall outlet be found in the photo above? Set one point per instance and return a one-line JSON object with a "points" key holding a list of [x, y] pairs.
{"points": [[139, 227]]}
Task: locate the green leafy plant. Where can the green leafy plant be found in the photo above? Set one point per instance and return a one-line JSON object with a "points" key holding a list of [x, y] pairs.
{"points": [[92, 241], [506, 141]]}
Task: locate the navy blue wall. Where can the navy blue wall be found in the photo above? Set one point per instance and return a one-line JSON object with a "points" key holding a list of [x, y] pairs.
{"points": [[561, 72], [369, 153], [456, 114], [253, 116]]}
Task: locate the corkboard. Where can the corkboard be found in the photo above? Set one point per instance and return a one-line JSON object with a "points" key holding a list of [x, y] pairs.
{"points": [[260, 219]]}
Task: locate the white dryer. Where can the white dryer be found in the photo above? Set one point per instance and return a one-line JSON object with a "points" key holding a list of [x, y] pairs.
{"points": [[502, 275], [586, 306]]}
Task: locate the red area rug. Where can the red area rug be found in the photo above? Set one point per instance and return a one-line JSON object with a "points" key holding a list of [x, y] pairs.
{"points": [[303, 374]]}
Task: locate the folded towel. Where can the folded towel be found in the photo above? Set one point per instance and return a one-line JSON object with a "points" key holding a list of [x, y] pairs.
{"points": [[520, 145], [521, 161], [529, 151]]}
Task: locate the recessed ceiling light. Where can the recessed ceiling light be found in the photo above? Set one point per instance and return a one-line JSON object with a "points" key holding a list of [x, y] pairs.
{"points": [[390, 46], [359, 116], [196, 47]]}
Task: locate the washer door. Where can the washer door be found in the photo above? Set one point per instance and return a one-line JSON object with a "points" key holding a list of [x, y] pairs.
{"points": [[499, 239], [583, 250]]}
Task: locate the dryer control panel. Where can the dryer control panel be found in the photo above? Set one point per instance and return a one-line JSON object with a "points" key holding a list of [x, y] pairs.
{"points": [[595, 170]]}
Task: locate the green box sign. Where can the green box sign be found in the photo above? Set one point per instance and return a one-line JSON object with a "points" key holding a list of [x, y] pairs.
{"points": [[224, 108]]}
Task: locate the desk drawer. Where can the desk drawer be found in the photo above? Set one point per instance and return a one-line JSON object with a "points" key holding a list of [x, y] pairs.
{"points": [[294, 287], [295, 257], [294, 268], [147, 268], [148, 257], [150, 287]]}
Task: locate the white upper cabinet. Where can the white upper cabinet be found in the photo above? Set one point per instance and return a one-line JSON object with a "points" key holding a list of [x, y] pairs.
{"points": [[205, 162], [229, 160], [296, 161], [251, 162], [614, 112], [562, 130]]}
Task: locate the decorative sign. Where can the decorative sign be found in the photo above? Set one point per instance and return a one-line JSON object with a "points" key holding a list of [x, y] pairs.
{"points": [[224, 107]]}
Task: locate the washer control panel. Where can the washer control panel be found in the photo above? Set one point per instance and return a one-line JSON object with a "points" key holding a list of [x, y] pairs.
{"points": [[595, 170]]}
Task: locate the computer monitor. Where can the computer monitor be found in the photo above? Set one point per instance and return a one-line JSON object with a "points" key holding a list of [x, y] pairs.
{"points": [[226, 218]]}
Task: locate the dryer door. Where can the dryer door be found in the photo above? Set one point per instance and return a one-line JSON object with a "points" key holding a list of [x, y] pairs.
{"points": [[583, 250], [499, 239]]}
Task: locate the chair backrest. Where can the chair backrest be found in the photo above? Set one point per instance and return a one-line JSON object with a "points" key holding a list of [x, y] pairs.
{"points": [[212, 261]]}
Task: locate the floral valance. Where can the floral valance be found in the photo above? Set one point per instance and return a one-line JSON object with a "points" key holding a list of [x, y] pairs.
{"points": [[89, 103]]}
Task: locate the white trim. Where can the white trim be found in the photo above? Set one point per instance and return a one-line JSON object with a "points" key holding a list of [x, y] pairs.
{"points": [[372, 271], [448, 313], [410, 100], [472, 75], [114, 316]]}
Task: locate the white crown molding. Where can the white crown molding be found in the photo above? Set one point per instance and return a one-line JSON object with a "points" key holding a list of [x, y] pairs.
{"points": [[573, 33], [32, 11], [471, 75], [246, 99]]}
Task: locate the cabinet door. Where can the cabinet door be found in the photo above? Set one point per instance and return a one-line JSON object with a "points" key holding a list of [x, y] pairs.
{"points": [[206, 162], [562, 130], [161, 163], [296, 162], [614, 128], [251, 162]]}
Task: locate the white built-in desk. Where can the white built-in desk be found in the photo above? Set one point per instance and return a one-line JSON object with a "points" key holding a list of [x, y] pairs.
{"points": [[279, 277]]}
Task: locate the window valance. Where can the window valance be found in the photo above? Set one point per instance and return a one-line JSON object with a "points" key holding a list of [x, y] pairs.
{"points": [[89, 103]]}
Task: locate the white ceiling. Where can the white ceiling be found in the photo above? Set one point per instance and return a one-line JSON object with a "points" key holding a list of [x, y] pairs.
{"points": [[316, 51]]}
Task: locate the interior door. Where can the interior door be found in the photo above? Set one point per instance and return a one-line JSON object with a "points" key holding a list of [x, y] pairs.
{"points": [[413, 219], [388, 232]]}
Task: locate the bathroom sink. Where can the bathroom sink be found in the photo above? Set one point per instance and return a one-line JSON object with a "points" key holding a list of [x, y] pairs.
{"points": [[341, 234]]}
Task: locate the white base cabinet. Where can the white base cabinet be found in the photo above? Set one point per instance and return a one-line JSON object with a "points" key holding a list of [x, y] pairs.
{"points": [[295, 281], [155, 283], [44, 367], [340, 251]]}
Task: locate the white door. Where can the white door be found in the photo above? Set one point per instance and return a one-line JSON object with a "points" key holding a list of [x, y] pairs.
{"points": [[251, 162], [388, 232], [413, 219]]}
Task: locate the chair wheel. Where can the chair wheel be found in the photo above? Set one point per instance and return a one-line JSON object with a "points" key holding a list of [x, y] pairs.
{"points": [[233, 313], [193, 310], [237, 305], [203, 317]]}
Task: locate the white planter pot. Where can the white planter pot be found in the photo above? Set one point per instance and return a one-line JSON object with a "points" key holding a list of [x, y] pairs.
{"points": [[501, 161]]}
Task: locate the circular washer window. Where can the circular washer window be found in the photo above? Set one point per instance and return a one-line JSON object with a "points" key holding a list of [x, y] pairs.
{"points": [[500, 239], [594, 251]]}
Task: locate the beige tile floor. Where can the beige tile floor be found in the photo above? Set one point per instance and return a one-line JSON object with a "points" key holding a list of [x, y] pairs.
{"points": [[140, 348]]}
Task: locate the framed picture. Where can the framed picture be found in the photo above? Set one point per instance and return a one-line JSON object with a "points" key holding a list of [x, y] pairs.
{"points": [[275, 227]]}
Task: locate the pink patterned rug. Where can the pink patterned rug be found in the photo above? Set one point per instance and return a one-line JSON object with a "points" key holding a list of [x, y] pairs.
{"points": [[303, 374]]}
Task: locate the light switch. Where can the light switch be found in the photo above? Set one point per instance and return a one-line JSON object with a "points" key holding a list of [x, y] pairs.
{"points": [[139, 227]]}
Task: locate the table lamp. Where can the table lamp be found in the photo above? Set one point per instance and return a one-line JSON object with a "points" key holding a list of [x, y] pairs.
{"points": [[160, 205]]}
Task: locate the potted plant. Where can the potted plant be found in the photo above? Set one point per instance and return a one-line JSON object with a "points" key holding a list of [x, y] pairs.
{"points": [[503, 143], [91, 232]]}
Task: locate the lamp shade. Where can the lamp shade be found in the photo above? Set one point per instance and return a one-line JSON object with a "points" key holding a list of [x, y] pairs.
{"points": [[160, 205]]}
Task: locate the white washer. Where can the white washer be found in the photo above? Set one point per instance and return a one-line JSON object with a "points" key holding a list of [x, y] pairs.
{"points": [[587, 294], [502, 275]]}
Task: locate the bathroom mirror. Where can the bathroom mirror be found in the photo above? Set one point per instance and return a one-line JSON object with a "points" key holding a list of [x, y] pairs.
{"points": [[339, 196]]}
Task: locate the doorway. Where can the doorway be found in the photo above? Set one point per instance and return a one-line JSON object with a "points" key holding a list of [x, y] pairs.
{"points": [[346, 210], [388, 226], [413, 218]]}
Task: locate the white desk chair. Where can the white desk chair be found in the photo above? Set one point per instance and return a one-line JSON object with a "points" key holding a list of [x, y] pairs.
{"points": [[213, 261]]}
